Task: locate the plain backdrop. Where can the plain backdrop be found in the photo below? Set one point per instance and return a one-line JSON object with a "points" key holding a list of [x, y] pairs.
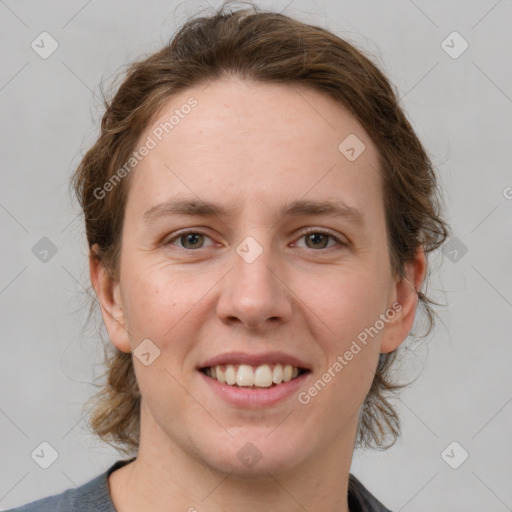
{"points": [[458, 99]]}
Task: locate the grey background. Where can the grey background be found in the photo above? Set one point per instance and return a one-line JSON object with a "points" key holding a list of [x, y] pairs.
{"points": [[462, 110]]}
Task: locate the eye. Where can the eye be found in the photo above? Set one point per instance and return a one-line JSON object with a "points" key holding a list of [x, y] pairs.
{"points": [[318, 239], [315, 239], [189, 239]]}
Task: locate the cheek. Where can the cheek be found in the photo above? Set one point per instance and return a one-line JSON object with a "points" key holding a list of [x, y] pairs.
{"points": [[158, 306], [157, 299], [345, 302], [342, 320], [346, 307]]}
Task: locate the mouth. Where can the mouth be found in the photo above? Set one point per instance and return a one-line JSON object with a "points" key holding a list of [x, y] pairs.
{"points": [[253, 377]]}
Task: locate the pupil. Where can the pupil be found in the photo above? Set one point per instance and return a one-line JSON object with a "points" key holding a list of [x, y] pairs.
{"points": [[192, 238], [314, 238]]}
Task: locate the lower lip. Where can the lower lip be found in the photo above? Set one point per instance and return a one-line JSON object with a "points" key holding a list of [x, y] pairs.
{"points": [[255, 397]]}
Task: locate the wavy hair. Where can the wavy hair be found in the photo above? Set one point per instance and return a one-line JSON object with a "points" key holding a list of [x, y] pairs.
{"points": [[266, 47]]}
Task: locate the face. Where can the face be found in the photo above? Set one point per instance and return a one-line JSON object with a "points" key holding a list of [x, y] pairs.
{"points": [[288, 265]]}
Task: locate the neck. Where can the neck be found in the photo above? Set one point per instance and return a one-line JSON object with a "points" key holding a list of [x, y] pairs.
{"points": [[166, 478]]}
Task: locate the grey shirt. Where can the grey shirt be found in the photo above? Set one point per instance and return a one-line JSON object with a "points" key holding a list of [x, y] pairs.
{"points": [[94, 496]]}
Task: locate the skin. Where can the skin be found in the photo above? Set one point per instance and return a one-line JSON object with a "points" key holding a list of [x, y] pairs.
{"points": [[257, 147]]}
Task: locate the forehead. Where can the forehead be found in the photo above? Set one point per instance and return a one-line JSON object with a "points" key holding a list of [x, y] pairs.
{"points": [[258, 143]]}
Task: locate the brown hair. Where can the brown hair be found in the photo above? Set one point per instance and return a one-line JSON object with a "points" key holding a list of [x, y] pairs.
{"points": [[270, 48]]}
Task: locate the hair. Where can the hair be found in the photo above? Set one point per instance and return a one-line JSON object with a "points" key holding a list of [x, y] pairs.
{"points": [[265, 47]]}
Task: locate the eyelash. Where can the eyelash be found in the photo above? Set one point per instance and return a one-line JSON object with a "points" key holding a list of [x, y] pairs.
{"points": [[303, 234]]}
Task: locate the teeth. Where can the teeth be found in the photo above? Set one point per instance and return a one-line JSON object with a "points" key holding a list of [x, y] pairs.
{"points": [[277, 374], [263, 376], [221, 376], [230, 374], [244, 375]]}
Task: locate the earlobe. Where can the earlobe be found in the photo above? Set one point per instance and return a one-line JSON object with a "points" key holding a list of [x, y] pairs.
{"points": [[108, 292], [406, 295]]}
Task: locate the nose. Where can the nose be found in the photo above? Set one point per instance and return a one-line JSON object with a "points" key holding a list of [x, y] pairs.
{"points": [[254, 293]]}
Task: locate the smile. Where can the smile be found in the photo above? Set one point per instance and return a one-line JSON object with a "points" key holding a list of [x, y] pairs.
{"points": [[261, 376]]}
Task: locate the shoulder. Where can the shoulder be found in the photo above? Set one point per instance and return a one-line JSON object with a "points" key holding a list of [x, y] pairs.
{"points": [[360, 499], [93, 496], [56, 502]]}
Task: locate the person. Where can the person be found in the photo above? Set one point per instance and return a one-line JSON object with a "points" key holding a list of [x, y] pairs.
{"points": [[259, 213]]}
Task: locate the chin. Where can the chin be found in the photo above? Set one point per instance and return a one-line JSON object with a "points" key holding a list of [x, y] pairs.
{"points": [[253, 453], [267, 467]]}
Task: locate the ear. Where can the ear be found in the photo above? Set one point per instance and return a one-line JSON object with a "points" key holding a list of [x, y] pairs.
{"points": [[109, 296], [405, 294]]}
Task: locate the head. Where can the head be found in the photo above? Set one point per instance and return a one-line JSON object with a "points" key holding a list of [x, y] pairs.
{"points": [[255, 113]]}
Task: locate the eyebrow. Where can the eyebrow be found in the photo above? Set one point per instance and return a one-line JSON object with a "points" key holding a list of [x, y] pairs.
{"points": [[198, 208]]}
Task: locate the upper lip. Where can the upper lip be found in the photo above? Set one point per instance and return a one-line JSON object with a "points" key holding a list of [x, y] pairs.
{"points": [[254, 359]]}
